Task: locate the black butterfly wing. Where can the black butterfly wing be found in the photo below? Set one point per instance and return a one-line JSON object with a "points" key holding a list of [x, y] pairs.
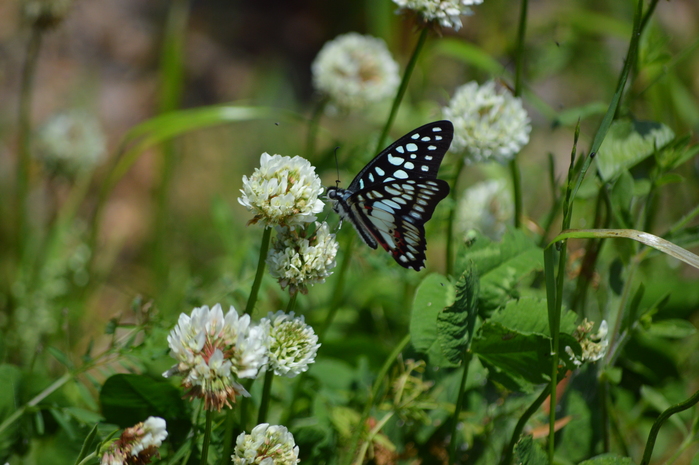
{"points": [[393, 214], [417, 154]]}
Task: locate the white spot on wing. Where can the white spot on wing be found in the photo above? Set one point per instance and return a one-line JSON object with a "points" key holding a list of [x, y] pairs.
{"points": [[425, 139], [437, 137], [415, 136], [411, 147], [400, 149], [403, 259], [428, 157], [379, 171], [425, 168], [436, 129], [392, 191], [400, 174], [396, 161], [431, 147], [361, 184], [409, 165], [391, 204], [371, 177]]}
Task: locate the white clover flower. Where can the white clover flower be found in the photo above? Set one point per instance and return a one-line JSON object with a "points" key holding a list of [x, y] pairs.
{"points": [[137, 444], [282, 191], [486, 207], [266, 445], [594, 346], [297, 262], [292, 343], [354, 71], [71, 141], [489, 122], [446, 12], [211, 348]]}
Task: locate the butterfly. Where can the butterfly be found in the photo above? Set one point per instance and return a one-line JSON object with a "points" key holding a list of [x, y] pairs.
{"points": [[395, 194]]}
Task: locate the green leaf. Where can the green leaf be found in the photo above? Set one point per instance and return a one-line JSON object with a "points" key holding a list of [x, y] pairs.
{"points": [[471, 54], [622, 195], [627, 143], [10, 379], [672, 328], [570, 116], [433, 294], [87, 445], [455, 324], [61, 357], [529, 315], [659, 402], [608, 459], [128, 399], [528, 452], [501, 266], [522, 357]]}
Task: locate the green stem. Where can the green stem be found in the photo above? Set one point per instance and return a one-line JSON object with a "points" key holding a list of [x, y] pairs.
{"points": [[509, 453], [337, 294], [88, 458], [402, 88], [452, 217], [24, 133], [292, 302], [516, 191], [264, 247], [35, 401], [459, 405], [378, 382], [264, 402], [655, 429], [312, 134], [207, 438], [521, 32]]}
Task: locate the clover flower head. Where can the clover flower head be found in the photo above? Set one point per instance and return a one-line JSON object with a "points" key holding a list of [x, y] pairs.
{"points": [[445, 12], [486, 207], [71, 141], [297, 261], [354, 71], [211, 348], [283, 191], [266, 445], [594, 346], [136, 445], [292, 343], [489, 122]]}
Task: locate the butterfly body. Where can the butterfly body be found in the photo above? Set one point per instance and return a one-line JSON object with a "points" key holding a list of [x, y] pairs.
{"points": [[392, 198]]}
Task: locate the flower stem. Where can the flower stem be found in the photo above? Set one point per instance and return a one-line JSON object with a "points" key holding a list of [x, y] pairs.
{"points": [[207, 438], [24, 132], [402, 88], [452, 217], [264, 247], [292, 302], [312, 134], [339, 287], [459, 405], [264, 403], [378, 382], [519, 72], [507, 457], [516, 191]]}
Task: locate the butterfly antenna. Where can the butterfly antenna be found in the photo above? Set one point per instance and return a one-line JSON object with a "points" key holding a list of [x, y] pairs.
{"points": [[337, 167]]}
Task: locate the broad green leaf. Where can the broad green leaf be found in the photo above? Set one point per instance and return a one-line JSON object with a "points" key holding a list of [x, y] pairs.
{"points": [[622, 195], [629, 142], [455, 324], [673, 328], [128, 399], [501, 266], [608, 459], [528, 452], [520, 356], [434, 294], [529, 315]]}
